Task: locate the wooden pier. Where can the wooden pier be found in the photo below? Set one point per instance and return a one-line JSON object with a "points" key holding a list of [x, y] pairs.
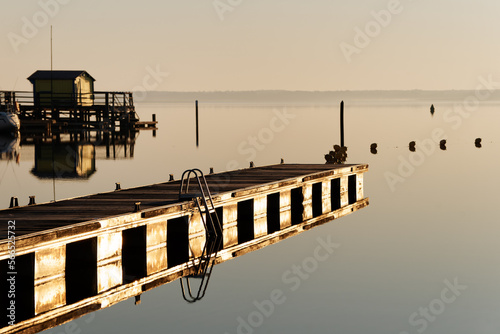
{"points": [[108, 111], [83, 254]]}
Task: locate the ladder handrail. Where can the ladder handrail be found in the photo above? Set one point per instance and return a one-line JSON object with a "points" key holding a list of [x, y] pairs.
{"points": [[208, 255], [195, 171]]}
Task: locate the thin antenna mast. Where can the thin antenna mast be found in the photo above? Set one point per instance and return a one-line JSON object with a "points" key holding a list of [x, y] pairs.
{"points": [[51, 48], [52, 114]]}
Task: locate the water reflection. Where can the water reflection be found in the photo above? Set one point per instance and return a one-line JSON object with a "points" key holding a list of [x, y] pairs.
{"points": [[203, 271], [72, 155], [64, 160], [10, 147]]}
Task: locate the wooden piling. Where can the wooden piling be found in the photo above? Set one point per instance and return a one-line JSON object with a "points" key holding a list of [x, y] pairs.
{"points": [[342, 124], [197, 126]]}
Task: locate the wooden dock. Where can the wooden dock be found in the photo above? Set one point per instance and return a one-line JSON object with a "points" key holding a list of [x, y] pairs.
{"points": [[79, 255], [108, 111]]}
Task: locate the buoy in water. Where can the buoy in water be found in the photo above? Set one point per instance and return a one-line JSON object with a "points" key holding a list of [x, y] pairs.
{"points": [[412, 146], [477, 143]]}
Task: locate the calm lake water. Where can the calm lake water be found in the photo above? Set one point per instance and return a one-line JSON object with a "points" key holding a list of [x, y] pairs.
{"points": [[423, 257]]}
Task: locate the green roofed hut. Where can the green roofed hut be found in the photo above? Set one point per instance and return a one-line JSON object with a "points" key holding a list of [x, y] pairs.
{"points": [[62, 89]]}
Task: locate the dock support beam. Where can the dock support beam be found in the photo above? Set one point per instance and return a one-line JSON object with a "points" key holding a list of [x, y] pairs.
{"points": [[50, 280], [344, 194], [230, 225], [109, 261], [197, 235], [156, 247], [326, 194], [307, 202], [260, 216]]}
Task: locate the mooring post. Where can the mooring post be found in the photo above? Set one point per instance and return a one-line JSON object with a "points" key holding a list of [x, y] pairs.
{"points": [[14, 202], [32, 200], [197, 128], [137, 207], [342, 124], [154, 124]]}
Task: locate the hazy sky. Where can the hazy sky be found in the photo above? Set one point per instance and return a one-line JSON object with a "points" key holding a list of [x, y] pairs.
{"points": [[254, 44]]}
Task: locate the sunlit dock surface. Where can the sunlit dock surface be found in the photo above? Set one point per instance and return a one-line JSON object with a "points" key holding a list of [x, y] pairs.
{"points": [[79, 255]]}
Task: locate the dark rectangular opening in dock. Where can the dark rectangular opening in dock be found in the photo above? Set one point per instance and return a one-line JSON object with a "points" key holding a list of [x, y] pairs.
{"points": [[352, 189], [273, 213], [297, 206], [317, 199], [177, 241], [81, 270], [134, 262], [4, 292], [335, 194], [25, 287], [218, 228], [246, 229], [18, 286]]}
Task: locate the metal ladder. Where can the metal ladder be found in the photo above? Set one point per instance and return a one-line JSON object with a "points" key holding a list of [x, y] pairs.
{"points": [[211, 222]]}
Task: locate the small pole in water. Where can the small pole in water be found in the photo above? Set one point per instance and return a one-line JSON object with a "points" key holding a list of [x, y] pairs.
{"points": [[342, 124], [197, 127], [154, 125]]}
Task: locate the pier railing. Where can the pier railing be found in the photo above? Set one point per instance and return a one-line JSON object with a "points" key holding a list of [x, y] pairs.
{"points": [[9, 98], [124, 99], [28, 99]]}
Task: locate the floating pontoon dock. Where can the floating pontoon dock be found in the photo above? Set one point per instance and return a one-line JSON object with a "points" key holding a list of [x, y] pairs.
{"points": [[83, 254]]}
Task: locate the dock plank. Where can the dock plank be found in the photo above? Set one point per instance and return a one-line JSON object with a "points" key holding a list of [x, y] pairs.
{"points": [[35, 218]]}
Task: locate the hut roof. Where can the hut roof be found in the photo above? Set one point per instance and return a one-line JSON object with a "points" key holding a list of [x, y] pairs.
{"points": [[57, 75]]}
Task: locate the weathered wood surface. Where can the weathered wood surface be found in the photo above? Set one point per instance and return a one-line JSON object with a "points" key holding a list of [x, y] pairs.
{"points": [[37, 218]]}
